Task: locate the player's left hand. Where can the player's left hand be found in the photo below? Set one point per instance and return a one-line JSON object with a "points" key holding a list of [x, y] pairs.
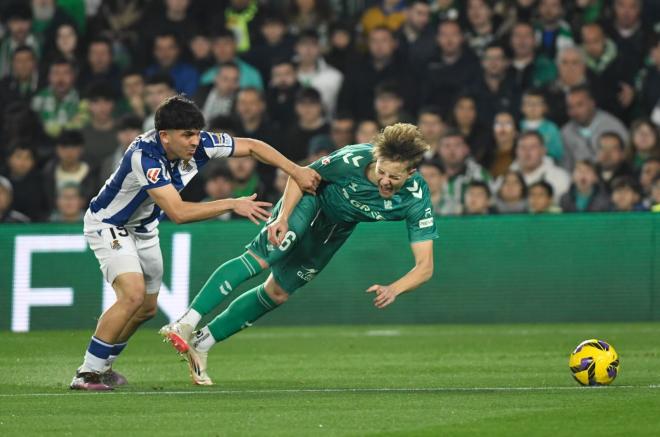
{"points": [[307, 179], [385, 295]]}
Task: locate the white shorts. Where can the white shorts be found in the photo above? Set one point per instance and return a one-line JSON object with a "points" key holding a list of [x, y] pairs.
{"points": [[119, 250]]}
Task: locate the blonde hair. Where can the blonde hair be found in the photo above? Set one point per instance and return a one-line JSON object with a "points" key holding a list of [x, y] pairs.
{"points": [[400, 142]]}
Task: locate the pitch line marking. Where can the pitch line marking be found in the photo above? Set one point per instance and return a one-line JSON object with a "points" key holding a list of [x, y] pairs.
{"points": [[329, 390]]}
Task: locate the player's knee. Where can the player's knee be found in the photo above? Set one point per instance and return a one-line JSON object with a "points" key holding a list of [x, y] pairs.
{"points": [[147, 311], [276, 293]]}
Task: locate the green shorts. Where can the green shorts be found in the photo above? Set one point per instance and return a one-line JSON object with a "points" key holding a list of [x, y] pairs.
{"points": [[307, 248]]}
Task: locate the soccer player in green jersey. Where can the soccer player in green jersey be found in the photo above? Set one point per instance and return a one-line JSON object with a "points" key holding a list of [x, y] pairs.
{"points": [[360, 183]]}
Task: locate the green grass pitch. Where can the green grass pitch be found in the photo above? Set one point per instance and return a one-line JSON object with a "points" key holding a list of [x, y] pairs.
{"points": [[433, 380]]}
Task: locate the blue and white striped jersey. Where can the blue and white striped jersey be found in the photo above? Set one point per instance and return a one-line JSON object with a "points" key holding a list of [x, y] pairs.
{"points": [[124, 201]]}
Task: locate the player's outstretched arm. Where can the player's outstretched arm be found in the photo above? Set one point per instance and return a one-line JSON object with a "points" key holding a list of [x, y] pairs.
{"points": [[180, 211], [280, 226], [305, 177], [422, 272]]}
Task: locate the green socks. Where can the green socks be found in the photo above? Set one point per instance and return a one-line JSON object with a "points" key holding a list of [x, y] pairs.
{"points": [[241, 313], [226, 277]]}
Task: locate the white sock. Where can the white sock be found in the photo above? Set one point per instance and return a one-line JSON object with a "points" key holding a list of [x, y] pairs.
{"points": [[191, 317], [203, 340], [93, 363]]}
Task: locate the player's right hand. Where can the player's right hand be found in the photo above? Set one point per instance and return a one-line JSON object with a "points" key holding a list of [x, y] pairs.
{"points": [[277, 230], [307, 179], [252, 209]]}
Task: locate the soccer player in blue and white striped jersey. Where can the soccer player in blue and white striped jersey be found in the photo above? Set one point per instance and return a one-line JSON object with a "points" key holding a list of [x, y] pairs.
{"points": [[121, 224]]}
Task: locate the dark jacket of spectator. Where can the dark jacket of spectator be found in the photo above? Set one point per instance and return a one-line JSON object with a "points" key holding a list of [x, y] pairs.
{"points": [[598, 201]]}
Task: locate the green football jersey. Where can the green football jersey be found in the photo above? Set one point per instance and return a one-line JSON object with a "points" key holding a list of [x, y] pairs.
{"points": [[346, 194]]}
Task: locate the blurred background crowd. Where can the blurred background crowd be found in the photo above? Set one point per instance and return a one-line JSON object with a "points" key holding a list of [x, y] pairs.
{"points": [[530, 106]]}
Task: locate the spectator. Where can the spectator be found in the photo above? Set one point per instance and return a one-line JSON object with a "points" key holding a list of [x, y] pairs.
{"points": [[282, 91], [572, 72], [645, 142], [534, 109], [477, 199], [200, 49], [157, 88], [626, 195], [133, 90], [527, 69], [650, 170], [342, 49], [8, 215], [415, 39], [587, 193], [432, 127], [512, 194], [494, 90], [21, 84], [100, 66], [47, 17], [277, 44], [587, 123], [224, 51], [100, 133], [245, 178], [18, 20], [58, 105], [388, 13], [68, 168], [478, 137], [310, 122], [539, 198], [219, 185], [28, 195], [611, 79], [451, 66], [366, 131], [128, 128], [504, 133], [648, 85], [443, 10], [627, 32], [553, 33], [69, 205], [483, 26], [460, 168], [342, 130], [306, 15], [175, 16], [388, 104], [219, 98], [314, 72], [167, 54], [319, 146], [23, 125], [434, 175], [67, 45], [532, 162], [243, 17], [379, 65], [611, 159], [655, 195]]}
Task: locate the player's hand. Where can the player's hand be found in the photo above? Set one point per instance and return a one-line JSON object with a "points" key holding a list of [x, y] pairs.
{"points": [[307, 179], [277, 230], [252, 209], [385, 295]]}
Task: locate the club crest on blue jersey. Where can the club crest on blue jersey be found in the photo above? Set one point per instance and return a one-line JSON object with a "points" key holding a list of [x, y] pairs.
{"points": [[153, 175]]}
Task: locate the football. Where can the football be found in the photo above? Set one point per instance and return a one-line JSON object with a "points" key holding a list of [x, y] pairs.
{"points": [[594, 362]]}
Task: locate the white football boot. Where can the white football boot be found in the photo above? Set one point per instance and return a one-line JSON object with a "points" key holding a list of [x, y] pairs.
{"points": [[197, 362], [178, 335]]}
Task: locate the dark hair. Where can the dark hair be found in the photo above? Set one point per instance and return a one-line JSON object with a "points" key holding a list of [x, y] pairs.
{"points": [[160, 78], [308, 34], [223, 33], [273, 16], [132, 72], [223, 123], [496, 45], [100, 90], [60, 60], [255, 90], [17, 10], [230, 64], [17, 145], [282, 60], [615, 135], [24, 48], [582, 89], [168, 34], [480, 184], [587, 163], [430, 109], [433, 162], [100, 40], [531, 133], [129, 121], [534, 92], [382, 28], [545, 185], [70, 138], [621, 182], [452, 132], [219, 171], [178, 112], [519, 177], [306, 94], [388, 87]]}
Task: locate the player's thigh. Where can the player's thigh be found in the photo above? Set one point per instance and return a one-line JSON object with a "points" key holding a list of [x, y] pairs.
{"points": [[116, 251], [300, 220], [130, 289], [151, 261], [310, 257]]}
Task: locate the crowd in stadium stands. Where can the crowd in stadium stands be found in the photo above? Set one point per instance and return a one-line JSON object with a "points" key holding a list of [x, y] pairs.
{"points": [[530, 106]]}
